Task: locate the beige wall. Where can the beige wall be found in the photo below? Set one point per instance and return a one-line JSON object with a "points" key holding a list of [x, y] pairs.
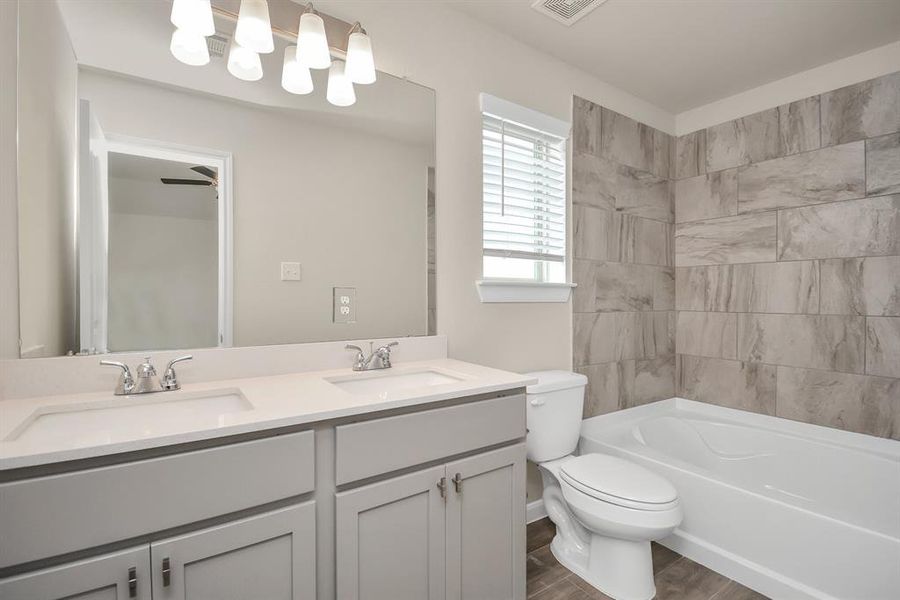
{"points": [[349, 206], [9, 222], [47, 124]]}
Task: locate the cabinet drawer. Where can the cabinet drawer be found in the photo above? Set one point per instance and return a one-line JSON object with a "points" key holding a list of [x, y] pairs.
{"points": [[53, 515], [382, 445]]}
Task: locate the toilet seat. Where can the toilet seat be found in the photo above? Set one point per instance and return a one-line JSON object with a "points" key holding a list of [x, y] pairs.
{"points": [[619, 482]]}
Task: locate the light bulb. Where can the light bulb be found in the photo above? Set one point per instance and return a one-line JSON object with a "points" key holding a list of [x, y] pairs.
{"points": [[312, 44], [244, 63], [254, 30], [189, 48], [360, 62], [194, 16], [340, 88], [295, 78]]}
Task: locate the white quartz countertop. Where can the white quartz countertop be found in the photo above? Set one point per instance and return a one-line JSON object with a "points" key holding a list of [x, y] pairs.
{"points": [[260, 403]]}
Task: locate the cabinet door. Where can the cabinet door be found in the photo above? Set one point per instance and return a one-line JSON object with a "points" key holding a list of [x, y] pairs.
{"points": [[486, 526], [390, 539], [271, 556], [117, 576]]}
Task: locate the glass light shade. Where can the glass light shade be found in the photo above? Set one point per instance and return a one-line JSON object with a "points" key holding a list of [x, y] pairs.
{"points": [[254, 30], [295, 78], [189, 48], [194, 16], [360, 62], [312, 44], [244, 63], [340, 88]]}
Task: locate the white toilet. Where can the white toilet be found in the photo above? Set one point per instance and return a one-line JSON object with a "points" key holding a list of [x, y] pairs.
{"points": [[606, 509]]}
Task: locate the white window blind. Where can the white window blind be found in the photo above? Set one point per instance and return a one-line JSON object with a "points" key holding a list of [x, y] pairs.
{"points": [[524, 191]]}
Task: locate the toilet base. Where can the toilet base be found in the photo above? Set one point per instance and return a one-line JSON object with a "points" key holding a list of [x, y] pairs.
{"points": [[621, 569]]}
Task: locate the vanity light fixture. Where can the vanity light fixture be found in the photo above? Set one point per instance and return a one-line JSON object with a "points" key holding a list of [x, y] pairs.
{"points": [[244, 63], [189, 47], [194, 16], [360, 62], [295, 77], [340, 89], [312, 43], [254, 30]]}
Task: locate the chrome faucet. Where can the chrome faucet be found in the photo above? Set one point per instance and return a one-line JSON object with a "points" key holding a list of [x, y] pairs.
{"points": [[147, 380], [379, 358]]}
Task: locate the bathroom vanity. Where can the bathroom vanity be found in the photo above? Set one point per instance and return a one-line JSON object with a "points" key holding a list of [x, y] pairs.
{"points": [[408, 483]]}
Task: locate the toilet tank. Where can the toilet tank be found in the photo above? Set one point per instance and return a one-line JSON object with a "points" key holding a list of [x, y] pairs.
{"points": [[554, 411]]}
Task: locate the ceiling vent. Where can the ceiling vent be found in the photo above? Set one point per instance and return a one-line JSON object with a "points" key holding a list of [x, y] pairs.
{"points": [[217, 45], [566, 12]]}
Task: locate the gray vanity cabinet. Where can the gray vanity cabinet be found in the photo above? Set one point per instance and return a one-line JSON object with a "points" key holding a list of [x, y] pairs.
{"points": [[269, 556], [485, 533], [122, 575], [390, 539]]}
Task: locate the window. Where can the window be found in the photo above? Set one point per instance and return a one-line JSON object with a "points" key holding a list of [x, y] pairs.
{"points": [[524, 194]]}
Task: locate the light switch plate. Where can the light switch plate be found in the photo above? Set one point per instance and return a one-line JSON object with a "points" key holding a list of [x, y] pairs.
{"points": [[344, 305], [290, 271]]}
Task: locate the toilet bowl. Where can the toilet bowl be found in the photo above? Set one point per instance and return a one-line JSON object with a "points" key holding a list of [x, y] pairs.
{"points": [[606, 509]]}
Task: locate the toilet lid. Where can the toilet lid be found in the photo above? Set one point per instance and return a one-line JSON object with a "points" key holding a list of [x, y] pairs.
{"points": [[619, 481]]}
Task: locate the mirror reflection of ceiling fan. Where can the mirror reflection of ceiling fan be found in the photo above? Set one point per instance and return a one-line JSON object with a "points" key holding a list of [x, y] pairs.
{"points": [[212, 179]]}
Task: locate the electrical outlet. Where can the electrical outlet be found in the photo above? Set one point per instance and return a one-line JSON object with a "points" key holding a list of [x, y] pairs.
{"points": [[290, 271], [344, 305]]}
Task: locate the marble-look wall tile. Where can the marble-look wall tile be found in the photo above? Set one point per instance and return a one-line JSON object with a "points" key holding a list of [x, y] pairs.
{"points": [[611, 286], [772, 133], [826, 175], [787, 287], [585, 126], [604, 235], [835, 343], [602, 183], [859, 403], [883, 165], [883, 346], [741, 239], [861, 286], [706, 196], [615, 336], [689, 155], [608, 385], [731, 383], [860, 111], [868, 227], [712, 334], [635, 144], [654, 379]]}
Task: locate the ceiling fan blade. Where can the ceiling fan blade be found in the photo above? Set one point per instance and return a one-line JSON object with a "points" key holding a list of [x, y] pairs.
{"points": [[206, 171], [169, 181]]}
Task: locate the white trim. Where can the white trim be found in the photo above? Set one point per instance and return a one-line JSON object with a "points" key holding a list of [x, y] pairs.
{"points": [[880, 61], [490, 291], [222, 161], [535, 511], [525, 116]]}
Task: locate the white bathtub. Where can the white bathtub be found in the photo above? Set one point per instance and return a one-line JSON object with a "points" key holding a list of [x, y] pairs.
{"points": [[788, 509]]}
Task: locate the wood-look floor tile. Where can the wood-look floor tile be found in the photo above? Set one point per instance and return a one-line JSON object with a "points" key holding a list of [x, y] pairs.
{"points": [[539, 534], [735, 591], [592, 592], [542, 570], [662, 557], [686, 580], [566, 589]]}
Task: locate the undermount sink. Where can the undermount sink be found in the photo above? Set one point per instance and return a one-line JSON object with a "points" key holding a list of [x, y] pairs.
{"points": [[374, 382], [120, 418]]}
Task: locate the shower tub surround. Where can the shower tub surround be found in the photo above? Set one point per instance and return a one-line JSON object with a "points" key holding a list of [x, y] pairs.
{"points": [[789, 509], [754, 264]]}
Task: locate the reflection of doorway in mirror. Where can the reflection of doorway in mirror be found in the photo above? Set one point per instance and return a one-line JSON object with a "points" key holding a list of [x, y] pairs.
{"points": [[168, 247]]}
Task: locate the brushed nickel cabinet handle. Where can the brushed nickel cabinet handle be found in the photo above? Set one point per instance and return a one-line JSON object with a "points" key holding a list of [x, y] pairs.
{"points": [[457, 483], [442, 486], [166, 572], [132, 582]]}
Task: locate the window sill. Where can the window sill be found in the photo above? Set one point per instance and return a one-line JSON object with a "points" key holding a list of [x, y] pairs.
{"points": [[523, 291]]}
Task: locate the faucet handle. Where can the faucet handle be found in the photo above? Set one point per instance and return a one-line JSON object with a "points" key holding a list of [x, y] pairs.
{"points": [[170, 380], [126, 381], [384, 353], [360, 364]]}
